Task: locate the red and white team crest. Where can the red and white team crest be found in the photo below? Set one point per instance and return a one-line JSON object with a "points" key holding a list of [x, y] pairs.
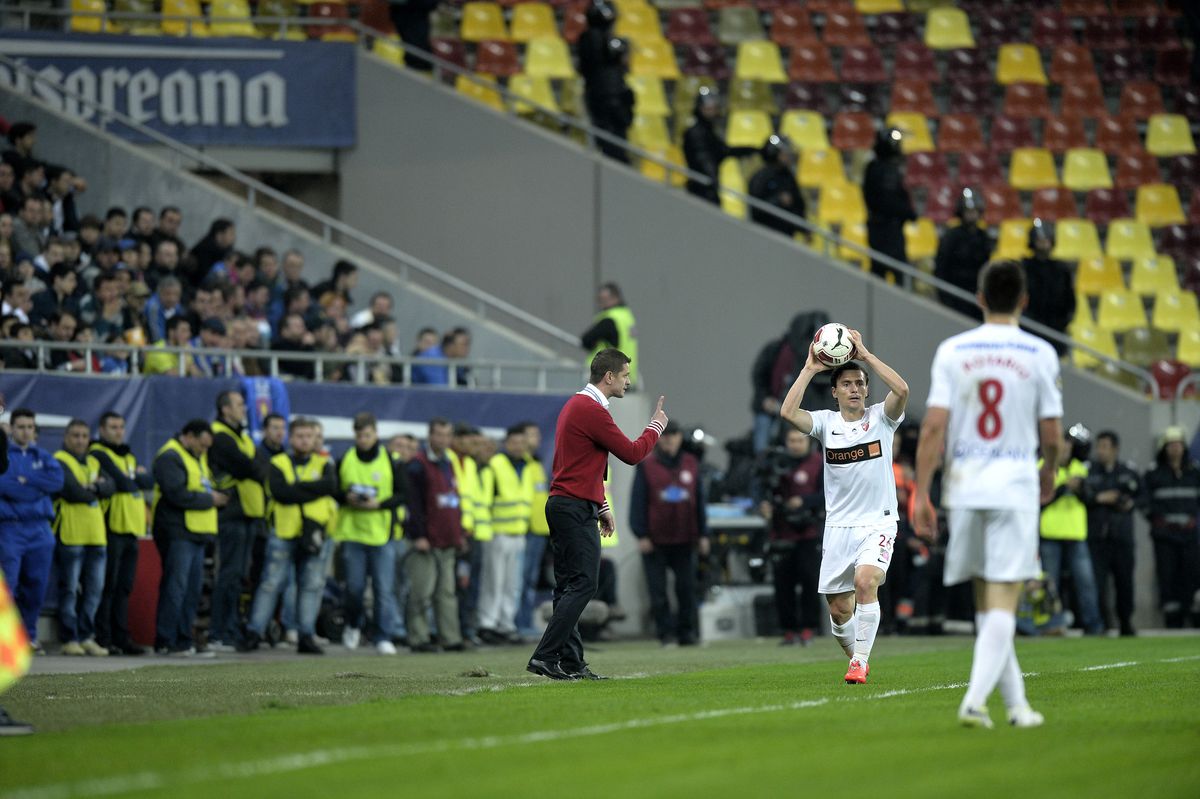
{"points": [[866, 426]]}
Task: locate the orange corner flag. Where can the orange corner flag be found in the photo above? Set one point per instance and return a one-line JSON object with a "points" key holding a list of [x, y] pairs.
{"points": [[14, 645]]}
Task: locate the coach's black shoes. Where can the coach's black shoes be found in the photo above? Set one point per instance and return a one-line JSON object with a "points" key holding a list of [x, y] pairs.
{"points": [[545, 668], [587, 674]]}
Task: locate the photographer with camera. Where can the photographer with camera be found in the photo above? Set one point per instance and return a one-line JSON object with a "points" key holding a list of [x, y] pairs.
{"points": [[794, 506]]}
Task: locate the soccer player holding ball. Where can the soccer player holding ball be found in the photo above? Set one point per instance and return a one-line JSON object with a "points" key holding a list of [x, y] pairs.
{"points": [[860, 487]]}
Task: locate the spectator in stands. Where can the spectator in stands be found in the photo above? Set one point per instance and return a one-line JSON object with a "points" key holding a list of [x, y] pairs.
{"points": [[1051, 286], [961, 254], [81, 551], [107, 256], [775, 184], [214, 248], [1171, 500], [17, 300], [1112, 488], [294, 337], [159, 362], [51, 255], [61, 329], [6, 228], [382, 304], [455, 344], [775, 369], [426, 337], [163, 305], [614, 326], [89, 237], [22, 138], [116, 222], [141, 227], [18, 356], [258, 301], [888, 203], [410, 18], [26, 510], [60, 189], [185, 520], [59, 297], [27, 235], [341, 282], [105, 309], [169, 220], [213, 336], [31, 177], [10, 198]]}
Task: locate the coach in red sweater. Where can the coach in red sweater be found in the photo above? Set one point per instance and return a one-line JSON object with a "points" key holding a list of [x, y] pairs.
{"points": [[583, 439]]}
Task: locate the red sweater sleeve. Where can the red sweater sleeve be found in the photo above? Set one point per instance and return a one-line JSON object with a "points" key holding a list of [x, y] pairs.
{"points": [[604, 431]]}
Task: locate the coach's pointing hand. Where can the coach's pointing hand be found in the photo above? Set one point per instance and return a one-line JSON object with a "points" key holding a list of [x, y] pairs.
{"points": [[659, 416]]}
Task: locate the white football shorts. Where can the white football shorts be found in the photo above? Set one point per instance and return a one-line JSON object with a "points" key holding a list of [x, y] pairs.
{"points": [[844, 549], [1001, 546]]}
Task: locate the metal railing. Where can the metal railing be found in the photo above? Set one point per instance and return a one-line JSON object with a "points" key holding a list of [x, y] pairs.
{"points": [[827, 241]]}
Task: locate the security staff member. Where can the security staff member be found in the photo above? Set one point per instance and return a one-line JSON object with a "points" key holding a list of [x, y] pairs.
{"points": [[534, 475], [962, 253], [185, 519], [125, 520], [703, 147], [464, 453], [371, 487], [1171, 499], [667, 514], [237, 471], [585, 435], [1051, 285], [889, 205], [614, 327], [775, 184], [509, 497], [1112, 490], [81, 550]]}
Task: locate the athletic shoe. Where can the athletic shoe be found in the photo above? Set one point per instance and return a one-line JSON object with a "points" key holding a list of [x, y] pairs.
{"points": [[94, 649], [307, 645], [36, 648], [73, 648], [250, 641], [291, 637], [975, 717], [221, 646], [385, 648], [10, 726], [351, 637], [857, 673], [1025, 716]]}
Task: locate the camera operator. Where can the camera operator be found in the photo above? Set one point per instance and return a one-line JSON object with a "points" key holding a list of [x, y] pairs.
{"points": [[794, 506]]}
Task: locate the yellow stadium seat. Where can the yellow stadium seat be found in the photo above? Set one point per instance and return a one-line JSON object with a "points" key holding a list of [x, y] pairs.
{"points": [[806, 129], [760, 61], [654, 57], [481, 22], [1175, 311], [548, 57], [841, 204], [637, 23], [820, 168], [1019, 63], [1013, 239], [649, 132], [534, 89], [878, 6], [917, 138], [137, 27], [1076, 239], [920, 239], [1097, 275], [531, 20], [480, 92], [748, 129], [193, 25], [1032, 168], [1129, 240], [854, 233], [1085, 168], [1096, 338], [87, 16], [1153, 275], [649, 95], [745, 94], [1188, 350], [1169, 134], [732, 180], [659, 173], [948, 29], [389, 50], [1120, 311], [628, 5], [1083, 315], [1158, 205], [230, 18]]}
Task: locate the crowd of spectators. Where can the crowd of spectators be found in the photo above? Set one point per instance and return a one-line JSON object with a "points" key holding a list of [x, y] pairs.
{"points": [[128, 277]]}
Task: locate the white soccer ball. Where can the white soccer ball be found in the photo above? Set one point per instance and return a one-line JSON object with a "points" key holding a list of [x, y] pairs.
{"points": [[832, 344]]}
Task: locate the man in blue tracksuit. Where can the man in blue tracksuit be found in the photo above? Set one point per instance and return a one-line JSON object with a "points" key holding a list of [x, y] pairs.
{"points": [[26, 510]]}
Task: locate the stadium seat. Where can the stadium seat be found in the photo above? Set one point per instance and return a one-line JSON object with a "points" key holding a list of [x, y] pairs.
{"points": [[389, 49], [1084, 8], [792, 26], [979, 169], [1072, 64], [732, 180], [917, 138], [661, 174], [1136, 8], [1031, 168], [1121, 66], [1097, 275], [1013, 238], [548, 57], [1026, 101], [820, 167], [1054, 204], [948, 29], [339, 15], [891, 29], [971, 100], [482, 21], [960, 133], [914, 96], [484, 92], [1190, 274], [452, 51], [1188, 348], [1128, 240], [841, 204], [230, 18], [1104, 205], [150, 26], [808, 96], [1173, 68], [1141, 99], [752, 95], [1095, 338], [913, 61], [638, 23], [1184, 172], [689, 26], [650, 99], [532, 89], [649, 132], [1118, 136], [968, 68], [863, 65], [940, 202], [760, 60], [1075, 239], [1181, 242], [574, 22], [1157, 33], [1158, 205], [1001, 202], [811, 63], [1175, 311], [497, 58], [532, 20], [878, 6], [853, 130], [845, 29], [1102, 32], [869, 97], [188, 19], [1060, 135], [1141, 347], [1134, 169], [748, 128], [806, 129], [1051, 29], [925, 170], [706, 61], [1081, 101], [920, 239], [1019, 63], [1085, 169], [376, 15], [1169, 134], [1154, 275], [1120, 311], [736, 24], [854, 233], [1170, 375], [87, 16], [1010, 134], [654, 57], [684, 94], [1187, 102]]}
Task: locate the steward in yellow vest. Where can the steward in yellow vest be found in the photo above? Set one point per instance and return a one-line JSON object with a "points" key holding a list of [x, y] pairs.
{"points": [[614, 326], [508, 496], [1065, 518], [506, 491], [463, 454], [535, 477]]}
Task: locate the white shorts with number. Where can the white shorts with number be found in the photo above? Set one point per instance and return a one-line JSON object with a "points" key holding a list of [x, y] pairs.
{"points": [[844, 549], [1001, 546]]}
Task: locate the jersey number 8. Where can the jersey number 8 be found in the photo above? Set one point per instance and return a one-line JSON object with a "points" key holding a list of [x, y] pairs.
{"points": [[990, 424]]}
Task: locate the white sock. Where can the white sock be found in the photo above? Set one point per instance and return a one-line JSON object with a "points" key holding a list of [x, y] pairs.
{"points": [[1012, 682], [844, 633], [993, 654], [868, 625]]}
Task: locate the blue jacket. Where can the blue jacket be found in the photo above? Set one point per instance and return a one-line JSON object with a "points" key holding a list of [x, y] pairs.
{"points": [[29, 500]]}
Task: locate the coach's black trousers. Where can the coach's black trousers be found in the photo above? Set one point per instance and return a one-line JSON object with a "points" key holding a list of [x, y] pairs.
{"points": [[575, 543]]}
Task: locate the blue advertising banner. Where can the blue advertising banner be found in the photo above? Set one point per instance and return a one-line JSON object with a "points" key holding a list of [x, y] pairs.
{"points": [[233, 92]]}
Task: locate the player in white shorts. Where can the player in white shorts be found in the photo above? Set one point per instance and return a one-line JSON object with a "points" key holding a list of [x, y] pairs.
{"points": [[994, 396], [860, 494]]}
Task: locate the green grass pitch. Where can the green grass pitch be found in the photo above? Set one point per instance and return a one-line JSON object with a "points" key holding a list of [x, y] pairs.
{"points": [[737, 720]]}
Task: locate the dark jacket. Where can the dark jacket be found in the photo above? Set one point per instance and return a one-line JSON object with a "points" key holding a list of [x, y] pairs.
{"points": [[1171, 500], [302, 491], [1051, 295], [46, 304], [961, 254], [780, 361], [776, 185], [703, 151], [72, 491], [888, 207], [122, 483], [1116, 520], [803, 478], [174, 499], [224, 458]]}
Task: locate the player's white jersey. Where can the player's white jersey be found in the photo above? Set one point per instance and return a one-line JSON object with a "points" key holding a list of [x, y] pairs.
{"points": [[997, 381], [860, 486]]}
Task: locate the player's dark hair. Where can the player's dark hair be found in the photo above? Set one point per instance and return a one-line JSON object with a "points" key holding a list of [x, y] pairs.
{"points": [[107, 415], [1002, 284], [196, 427], [515, 430], [439, 421], [363, 420], [848, 366], [609, 360], [78, 423], [20, 413], [1111, 435]]}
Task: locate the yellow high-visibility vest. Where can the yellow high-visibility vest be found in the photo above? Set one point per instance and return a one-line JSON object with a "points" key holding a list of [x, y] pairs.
{"points": [[626, 341], [470, 493], [1065, 519], [612, 540], [374, 479], [288, 520], [509, 495], [199, 480], [534, 475], [125, 511], [251, 494], [79, 523]]}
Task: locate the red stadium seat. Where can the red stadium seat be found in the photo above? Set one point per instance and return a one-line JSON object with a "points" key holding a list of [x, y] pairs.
{"points": [[574, 22], [1104, 33], [914, 61], [1173, 68], [1052, 29], [1085, 8], [896, 28], [869, 97], [1026, 101], [1118, 135], [1081, 101], [689, 26], [1187, 102], [995, 29], [329, 11], [1135, 168], [979, 169], [1072, 64], [913, 95], [925, 169], [1170, 375], [1062, 134], [497, 58], [1119, 66], [960, 133], [375, 14], [791, 26], [1184, 172], [1009, 134], [1104, 205], [1189, 274], [826, 6], [1054, 204], [968, 67], [1141, 99], [1135, 8], [845, 29], [940, 202], [810, 96], [863, 65], [968, 99], [811, 63], [853, 130], [1181, 242], [1000, 202], [451, 50], [1156, 33], [706, 60]]}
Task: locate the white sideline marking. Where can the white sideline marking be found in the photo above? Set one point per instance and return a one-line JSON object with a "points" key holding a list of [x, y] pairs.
{"points": [[299, 761]]}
